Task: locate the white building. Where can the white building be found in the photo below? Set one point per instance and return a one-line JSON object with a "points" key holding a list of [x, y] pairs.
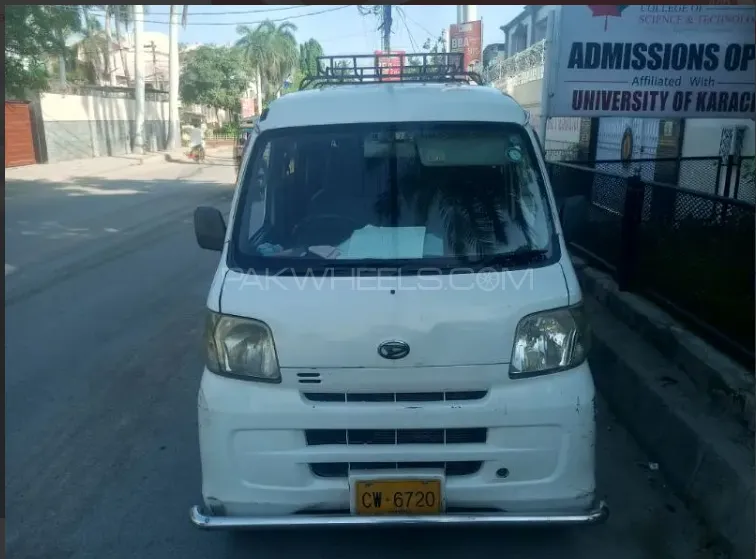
{"points": [[156, 60]]}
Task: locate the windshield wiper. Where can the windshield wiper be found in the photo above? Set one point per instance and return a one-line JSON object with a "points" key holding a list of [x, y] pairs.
{"points": [[519, 257]]}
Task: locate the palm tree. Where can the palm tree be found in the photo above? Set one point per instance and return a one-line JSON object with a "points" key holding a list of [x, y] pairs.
{"points": [[309, 52], [253, 43], [272, 51], [287, 54], [92, 48], [122, 21], [122, 18], [109, 46]]}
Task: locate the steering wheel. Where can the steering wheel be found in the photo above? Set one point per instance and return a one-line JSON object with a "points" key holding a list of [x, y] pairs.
{"points": [[350, 222]]}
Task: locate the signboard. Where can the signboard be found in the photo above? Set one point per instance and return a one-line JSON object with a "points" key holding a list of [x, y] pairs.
{"points": [[248, 107], [391, 64], [657, 61], [467, 38]]}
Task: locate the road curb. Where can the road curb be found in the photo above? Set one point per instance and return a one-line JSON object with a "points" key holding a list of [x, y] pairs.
{"points": [[91, 166], [723, 380], [703, 453]]}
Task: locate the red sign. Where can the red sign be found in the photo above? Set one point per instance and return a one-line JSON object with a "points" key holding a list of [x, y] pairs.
{"points": [[248, 107], [467, 38], [391, 63]]}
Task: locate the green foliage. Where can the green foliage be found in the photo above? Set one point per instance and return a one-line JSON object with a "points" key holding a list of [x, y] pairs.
{"points": [[215, 76], [32, 34], [90, 52], [309, 52], [228, 129], [271, 50]]}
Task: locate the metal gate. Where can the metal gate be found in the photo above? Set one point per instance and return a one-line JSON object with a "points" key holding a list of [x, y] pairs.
{"points": [[19, 143], [644, 138]]}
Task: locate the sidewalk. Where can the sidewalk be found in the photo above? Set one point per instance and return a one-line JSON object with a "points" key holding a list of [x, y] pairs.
{"points": [[92, 166]]}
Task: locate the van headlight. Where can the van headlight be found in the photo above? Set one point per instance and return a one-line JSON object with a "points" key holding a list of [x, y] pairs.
{"points": [[240, 347], [550, 341]]}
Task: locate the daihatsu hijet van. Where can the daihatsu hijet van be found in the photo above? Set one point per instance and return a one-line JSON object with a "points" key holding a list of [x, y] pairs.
{"points": [[394, 331]]}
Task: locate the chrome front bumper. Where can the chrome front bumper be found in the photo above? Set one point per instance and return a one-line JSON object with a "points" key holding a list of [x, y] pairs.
{"points": [[595, 516]]}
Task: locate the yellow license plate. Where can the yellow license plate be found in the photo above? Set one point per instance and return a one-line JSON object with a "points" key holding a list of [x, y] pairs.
{"points": [[416, 496]]}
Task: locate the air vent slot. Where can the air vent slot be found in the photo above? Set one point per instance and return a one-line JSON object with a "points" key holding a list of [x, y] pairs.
{"points": [[342, 469], [373, 397], [317, 437]]}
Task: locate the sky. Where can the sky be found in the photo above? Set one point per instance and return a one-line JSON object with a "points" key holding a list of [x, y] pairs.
{"points": [[340, 31]]}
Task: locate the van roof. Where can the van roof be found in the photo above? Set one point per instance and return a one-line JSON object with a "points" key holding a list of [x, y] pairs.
{"points": [[393, 102]]}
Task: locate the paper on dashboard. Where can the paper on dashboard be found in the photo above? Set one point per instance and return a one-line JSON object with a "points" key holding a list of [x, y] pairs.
{"points": [[385, 243]]}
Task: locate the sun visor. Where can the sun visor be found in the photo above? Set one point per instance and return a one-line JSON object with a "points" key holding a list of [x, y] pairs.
{"points": [[462, 152]]}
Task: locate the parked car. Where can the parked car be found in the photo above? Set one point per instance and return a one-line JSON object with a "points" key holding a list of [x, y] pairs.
{"points": [[394, 332]]}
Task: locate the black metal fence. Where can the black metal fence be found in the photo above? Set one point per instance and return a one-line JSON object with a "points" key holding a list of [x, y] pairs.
{"points": [[691, 252], [731, 176]]}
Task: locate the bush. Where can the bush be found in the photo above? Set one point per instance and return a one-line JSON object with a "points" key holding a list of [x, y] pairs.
{"points": [[228, 129]]}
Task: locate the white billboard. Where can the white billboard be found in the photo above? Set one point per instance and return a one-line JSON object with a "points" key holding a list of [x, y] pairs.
{"points": [[658, 61]]}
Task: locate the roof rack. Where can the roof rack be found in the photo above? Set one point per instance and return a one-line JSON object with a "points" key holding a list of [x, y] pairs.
{"points": [[393, 67]]}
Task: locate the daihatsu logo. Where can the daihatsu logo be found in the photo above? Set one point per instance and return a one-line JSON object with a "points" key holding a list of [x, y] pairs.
{"points": [[393, 350]]}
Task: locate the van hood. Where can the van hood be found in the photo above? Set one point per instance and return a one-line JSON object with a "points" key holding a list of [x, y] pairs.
{"points": [[447, 320]]}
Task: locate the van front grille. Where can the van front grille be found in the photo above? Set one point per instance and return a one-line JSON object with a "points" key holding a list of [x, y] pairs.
{"points": [[342, 469], [316, 437], [371, 397]]}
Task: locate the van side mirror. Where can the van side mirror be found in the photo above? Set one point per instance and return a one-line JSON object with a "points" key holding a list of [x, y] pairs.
{"points": [[209, 228]]}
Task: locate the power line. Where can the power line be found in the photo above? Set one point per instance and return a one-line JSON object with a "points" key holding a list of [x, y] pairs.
{"points": [[262, 11], [409, 33], [431, 35], [236, 23]]}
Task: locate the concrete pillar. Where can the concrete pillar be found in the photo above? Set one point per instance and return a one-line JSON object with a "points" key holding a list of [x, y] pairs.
{"points": [[138, 79]]}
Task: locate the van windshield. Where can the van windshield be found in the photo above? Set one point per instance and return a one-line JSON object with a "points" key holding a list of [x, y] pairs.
{"points": [[391, 195]]}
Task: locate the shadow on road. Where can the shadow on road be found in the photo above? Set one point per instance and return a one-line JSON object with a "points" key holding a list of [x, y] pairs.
{"points": [[213, 160], [45, 221]]}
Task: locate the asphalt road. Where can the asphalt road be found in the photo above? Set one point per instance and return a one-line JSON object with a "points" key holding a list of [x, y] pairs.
{"points": [[105, 290]]}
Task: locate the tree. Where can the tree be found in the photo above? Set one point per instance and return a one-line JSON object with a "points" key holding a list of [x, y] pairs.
{"points": [[123, 19], [437, 46], [433, 47], [309, 52], [92, 49], [32, 34], [272, 51], [215, 76]]}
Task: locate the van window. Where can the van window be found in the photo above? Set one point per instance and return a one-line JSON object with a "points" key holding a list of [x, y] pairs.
{"points": [[385, 195]]}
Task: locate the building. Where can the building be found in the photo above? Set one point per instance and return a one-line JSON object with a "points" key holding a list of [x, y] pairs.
{"points": [[526, 29], [122, 59], [518, 70], [520, 74]]}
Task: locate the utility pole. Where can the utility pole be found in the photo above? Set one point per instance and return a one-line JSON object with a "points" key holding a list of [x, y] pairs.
{"points": [[155, 74], [174, 136], [138, 80], [387, 29]]}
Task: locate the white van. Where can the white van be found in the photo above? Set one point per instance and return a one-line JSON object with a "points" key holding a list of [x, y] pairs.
{"points": [[394, 331]]}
